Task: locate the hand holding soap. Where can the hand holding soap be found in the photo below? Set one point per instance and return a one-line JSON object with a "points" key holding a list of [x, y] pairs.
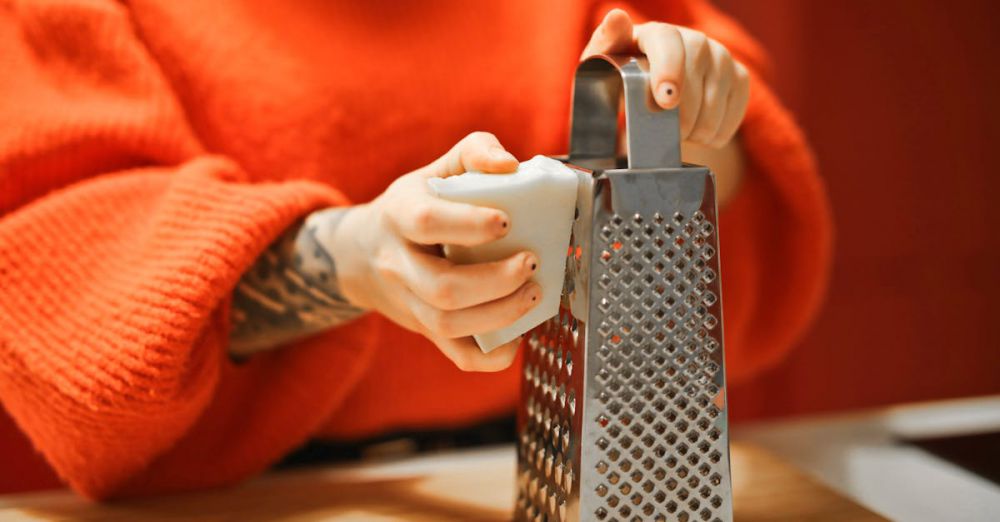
{"points": [[540, 199]]}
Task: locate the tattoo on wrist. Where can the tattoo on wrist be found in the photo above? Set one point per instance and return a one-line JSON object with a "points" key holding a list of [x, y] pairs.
{"points": [[291, 291]]}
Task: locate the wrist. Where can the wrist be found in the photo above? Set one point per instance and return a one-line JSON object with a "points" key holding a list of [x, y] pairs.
{"points": [[344, 242]]}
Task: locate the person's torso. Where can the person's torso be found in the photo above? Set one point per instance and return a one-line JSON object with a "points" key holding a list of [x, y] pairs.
{"points": [[356, 94]]}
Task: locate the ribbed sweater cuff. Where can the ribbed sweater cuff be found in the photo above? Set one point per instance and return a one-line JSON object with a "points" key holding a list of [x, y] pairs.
{"points": [[110, 337]]}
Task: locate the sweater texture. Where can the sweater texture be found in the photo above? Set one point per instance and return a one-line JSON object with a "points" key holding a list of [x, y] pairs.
{"points": [[150, 150]]}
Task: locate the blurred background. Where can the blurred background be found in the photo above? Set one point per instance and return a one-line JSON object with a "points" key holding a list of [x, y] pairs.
{"points": [[899, 100]]}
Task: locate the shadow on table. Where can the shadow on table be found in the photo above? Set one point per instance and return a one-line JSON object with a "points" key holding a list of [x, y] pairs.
{"points": [[300, 498]]}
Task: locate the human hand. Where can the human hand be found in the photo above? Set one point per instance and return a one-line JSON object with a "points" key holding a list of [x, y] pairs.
{"points": [[686, 68], [388, 259]]}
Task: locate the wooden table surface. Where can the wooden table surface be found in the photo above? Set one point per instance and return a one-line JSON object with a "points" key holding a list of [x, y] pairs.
{"points": [[466, 486]]}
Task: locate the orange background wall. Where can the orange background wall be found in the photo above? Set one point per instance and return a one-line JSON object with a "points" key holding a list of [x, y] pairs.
{"points": [[901, 101]]}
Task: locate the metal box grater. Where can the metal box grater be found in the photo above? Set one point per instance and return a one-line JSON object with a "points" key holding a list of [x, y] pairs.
{"points": [[623, 407]]}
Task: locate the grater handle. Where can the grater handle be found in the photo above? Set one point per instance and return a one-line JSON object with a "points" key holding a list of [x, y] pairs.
{"points": [[653, 133]]}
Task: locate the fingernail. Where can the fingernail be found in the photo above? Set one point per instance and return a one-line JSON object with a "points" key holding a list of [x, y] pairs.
{"points": [[666, 94], [498, 154], [502, 224], [533, 292], [531, 262]]}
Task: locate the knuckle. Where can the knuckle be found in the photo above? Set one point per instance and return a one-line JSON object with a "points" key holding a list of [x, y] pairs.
{"points": [[742, 77], [662, 29], [698, 43], [720, 51], [384, 265], [480, 137], [423, 217], [464, 364], [502, 363], [441, 323], [444, 293]]}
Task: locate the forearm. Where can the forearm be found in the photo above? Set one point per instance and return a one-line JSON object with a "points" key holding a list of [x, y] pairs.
{"points": [[728, 164], [292, 289]]}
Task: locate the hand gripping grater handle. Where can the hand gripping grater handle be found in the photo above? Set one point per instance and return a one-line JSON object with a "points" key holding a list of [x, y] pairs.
{"points": [[623, 405]]}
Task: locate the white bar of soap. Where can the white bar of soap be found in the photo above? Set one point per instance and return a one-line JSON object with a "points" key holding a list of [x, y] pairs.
{"points": [[540, 199]]}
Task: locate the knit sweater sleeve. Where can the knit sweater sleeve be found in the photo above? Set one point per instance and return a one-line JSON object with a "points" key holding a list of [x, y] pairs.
{"points": [[776, 232], [120, 242]]}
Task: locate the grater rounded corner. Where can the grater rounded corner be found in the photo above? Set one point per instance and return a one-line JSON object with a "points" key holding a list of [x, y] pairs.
{"points": [[623, 399]]}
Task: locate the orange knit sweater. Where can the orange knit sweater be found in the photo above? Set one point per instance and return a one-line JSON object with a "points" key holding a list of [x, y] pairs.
{"points": [[150, 151]]}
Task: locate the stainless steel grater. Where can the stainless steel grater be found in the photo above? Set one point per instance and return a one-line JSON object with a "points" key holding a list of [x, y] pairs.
{"points": [[623, 406]]}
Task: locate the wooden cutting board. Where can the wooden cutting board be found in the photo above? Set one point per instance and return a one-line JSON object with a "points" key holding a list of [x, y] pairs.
{"points": [[460, 486]]}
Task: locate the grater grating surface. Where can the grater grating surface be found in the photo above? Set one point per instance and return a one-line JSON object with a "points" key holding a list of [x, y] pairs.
{"points": [[657, 423]]}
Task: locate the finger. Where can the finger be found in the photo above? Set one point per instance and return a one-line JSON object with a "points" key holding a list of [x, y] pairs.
{"points": [[486, 317], [664, 48], [696, 63], [613, 35], [718, 82], [480, 151], [428, 220], [736, 107], [468, 357], [447, 286]]}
